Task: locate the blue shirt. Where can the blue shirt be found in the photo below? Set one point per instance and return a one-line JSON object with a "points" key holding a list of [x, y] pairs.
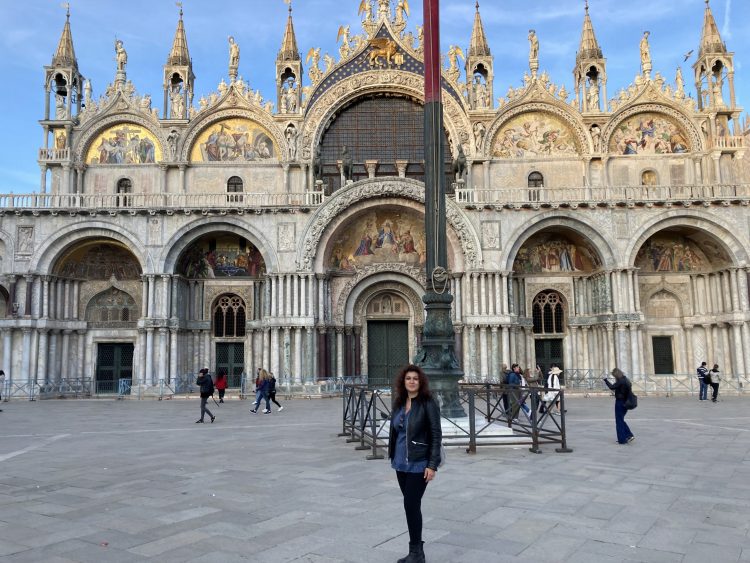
{"points": [[399, 463]]}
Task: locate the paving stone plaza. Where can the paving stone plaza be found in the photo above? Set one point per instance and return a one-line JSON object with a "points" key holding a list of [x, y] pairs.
{"points": [[106, 481]]}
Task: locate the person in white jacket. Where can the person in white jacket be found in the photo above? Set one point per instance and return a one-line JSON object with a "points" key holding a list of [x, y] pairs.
{"points": [[553, 384]]}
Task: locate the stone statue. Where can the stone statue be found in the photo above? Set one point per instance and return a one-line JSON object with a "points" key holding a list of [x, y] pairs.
{"points": [[121, 55], [60, 111], [481, 98], [291, 140], [347, 165], [593, 95], [317, 165], [680, 83], [402, 12], [459, 164], [60, 140], [533, 46], [596, 137], [87, 92], [479, 132], [234, 54], [645, 53], [384, 9], [291, 96], [172, 141], [178, 102]]}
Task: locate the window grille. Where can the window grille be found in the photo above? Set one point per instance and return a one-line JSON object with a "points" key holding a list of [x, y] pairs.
{"points": [[548, 313], [112, 308], [229, 317]]}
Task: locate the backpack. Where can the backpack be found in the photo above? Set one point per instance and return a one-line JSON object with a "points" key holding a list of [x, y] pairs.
{"points": [[631, 402]]}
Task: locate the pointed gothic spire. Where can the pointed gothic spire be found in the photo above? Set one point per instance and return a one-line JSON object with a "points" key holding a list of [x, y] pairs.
{"points": [[179, 55], [478, 46], [589, 48], [65, 55], [289, 50], [710, 37]]}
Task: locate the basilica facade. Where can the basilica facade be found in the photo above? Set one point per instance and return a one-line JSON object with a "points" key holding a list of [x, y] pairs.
{"points": [[233, 231]]}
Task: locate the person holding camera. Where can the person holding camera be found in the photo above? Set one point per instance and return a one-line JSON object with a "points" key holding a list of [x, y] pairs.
{"points": [[206, 385], [622, 389]]}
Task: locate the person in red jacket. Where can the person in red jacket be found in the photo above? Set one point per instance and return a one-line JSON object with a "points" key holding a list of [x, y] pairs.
{"points": [[221, 384]]}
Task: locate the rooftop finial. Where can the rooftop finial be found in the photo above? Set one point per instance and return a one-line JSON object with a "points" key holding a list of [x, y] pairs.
{"points": [[179, 5], [477, 5], [587, 5]]}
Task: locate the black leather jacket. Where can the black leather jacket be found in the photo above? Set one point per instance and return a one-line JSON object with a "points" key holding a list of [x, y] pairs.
{"points": [[621, 388], [423, 434]]}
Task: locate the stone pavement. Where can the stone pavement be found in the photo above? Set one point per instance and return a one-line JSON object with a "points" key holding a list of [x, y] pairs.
{"points": [[108, 481]]}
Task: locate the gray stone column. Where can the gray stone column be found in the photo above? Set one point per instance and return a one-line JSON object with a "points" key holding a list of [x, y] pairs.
{"points": [[149, 373], [623, 361], [25, 374], [636, 369], [266, 358], [483, 369], [339, 351], [738, 355], [65, 354], [486, 174], [81, 365], [297, 356], [41, 366], [506, 346], [495, 345], [311, 356], [172, 355], [275, 352], [53, 373]]}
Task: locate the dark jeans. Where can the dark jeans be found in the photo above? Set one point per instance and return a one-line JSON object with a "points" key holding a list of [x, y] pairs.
{"points": [[715, 387], [623, 430], [204, 410], [412, 486], [703, 390], [272, 396], [258, 397], [221, 394]]}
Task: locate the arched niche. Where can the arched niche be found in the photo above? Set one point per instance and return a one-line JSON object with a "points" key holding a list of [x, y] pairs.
{"points": [[234, 139], [383, 234], [112, 308], [220, 254], [533, 134], [124, 143], [556, 250], [649, 133], [96, 260], [682, 249]]}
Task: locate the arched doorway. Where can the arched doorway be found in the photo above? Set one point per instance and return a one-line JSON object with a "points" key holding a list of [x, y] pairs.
{"points": [[548, 314], [387, 317], [229, 317]]}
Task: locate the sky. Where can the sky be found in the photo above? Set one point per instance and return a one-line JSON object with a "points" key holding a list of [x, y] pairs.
{"points": [[31, 31]]}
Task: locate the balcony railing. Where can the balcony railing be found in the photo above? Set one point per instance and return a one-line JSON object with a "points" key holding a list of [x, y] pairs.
{"points": [[601, 195], [136, 201], [729, 142], [54, 155]]}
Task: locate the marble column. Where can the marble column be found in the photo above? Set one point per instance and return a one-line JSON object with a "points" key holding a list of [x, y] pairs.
{"points": [[25, 357], [275, 352], [636, 368], [339, 352], [506, 359], [495, 361], [483, 352], [65, 354], [322, 353], [472, 359], [81, 365], [297, 356], [173, 370], [738, 356], [41, 366], [149, 373], [622, 347], [311, 359]]}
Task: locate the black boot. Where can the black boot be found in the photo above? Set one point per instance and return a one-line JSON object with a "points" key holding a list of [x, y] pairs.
{"points": [[416, 553]]}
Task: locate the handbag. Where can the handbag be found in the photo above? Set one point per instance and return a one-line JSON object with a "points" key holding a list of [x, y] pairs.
{"points": [[631, 402]]}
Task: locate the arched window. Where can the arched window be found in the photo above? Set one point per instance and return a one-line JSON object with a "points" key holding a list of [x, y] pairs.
{"points": [[124, 186], [229, 317], [235, 188], [112, 308], [548, 313], [536, 181], [649, 178]]}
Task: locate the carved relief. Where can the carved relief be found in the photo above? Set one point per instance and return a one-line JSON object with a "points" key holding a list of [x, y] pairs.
{"points": [[286, 237], [491, 235], [25, 238]]}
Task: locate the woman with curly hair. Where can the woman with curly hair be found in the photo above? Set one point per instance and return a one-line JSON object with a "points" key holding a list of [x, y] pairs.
{"points": [[414, 448]]}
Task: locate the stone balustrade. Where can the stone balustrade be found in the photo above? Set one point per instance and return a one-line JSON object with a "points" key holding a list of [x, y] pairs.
{"points": [[136, 201], [532, 197], [54, 155]]}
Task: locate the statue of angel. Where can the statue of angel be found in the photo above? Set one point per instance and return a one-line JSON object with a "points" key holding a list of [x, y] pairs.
{"points": [[345, 48], [121, 54], [402, 12], [329, 62], [453, 53], [365, 7]]}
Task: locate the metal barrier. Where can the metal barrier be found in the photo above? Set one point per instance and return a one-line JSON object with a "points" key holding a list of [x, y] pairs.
{"points": [[75, 387], [366, 418]]}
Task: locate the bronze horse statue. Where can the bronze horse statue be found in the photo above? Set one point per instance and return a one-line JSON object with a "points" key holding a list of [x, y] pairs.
{"points": [[459, 164]]}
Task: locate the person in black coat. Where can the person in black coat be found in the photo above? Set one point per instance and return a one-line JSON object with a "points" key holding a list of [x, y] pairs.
{"points": [[414, 448], [206, 385], [622, 390]]}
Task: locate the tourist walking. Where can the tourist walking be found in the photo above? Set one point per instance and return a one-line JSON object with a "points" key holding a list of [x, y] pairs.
{"points": [[703, 389], [221, 384], [553, 395], [622, 390], [272, 391], [261, 391], [414, 448], [206, 385], [713, 381], [2, 385], [514, 378]]}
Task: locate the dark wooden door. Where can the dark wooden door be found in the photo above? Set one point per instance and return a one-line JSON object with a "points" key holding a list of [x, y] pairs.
{"points": [[387, 350], [113, 362], [230, 357], [662, 349], [549, 351]]}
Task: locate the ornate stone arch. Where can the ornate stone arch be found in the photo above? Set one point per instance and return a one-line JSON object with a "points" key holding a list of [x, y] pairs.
{"points": [[564, 289], [696, 140], [380, 188], [682, 300], [176, 245], [97, 126], [561, 111], [407, 276], [378, 81], [52, 248], [8, 243], [604, 246], [88, 297], [736, 248], [250, 112], [359, 307]]}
